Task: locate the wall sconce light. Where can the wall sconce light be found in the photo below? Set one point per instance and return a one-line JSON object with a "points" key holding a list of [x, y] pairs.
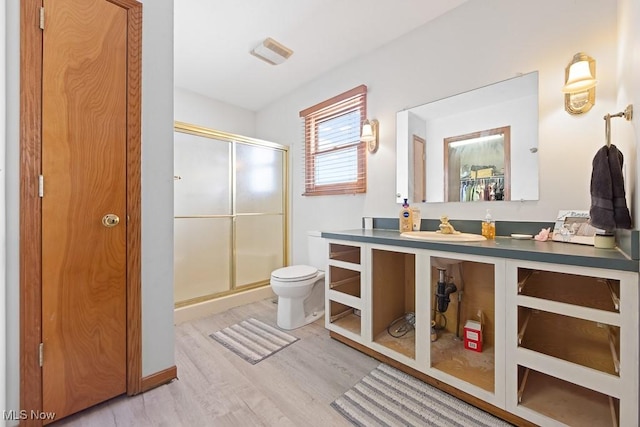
{"points": [[370, 135], [580, 84]]}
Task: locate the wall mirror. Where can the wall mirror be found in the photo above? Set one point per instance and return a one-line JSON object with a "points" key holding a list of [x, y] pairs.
{"points": [[479, 145]]}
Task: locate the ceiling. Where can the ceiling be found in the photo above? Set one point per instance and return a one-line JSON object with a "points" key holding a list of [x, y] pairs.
{"points": [[213, 39]]}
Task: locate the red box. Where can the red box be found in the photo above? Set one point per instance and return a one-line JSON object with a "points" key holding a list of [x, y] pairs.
{"points": [[473, 335]]}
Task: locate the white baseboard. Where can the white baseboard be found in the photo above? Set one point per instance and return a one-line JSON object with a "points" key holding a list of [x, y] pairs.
{"points": [[217, 305]]}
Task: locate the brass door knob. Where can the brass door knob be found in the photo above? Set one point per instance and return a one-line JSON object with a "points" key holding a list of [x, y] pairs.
{"points": [[110, 220]]}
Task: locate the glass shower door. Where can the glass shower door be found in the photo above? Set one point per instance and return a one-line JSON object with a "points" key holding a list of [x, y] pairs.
{"points": [[259, 207], [203, 217], [230, 213]]}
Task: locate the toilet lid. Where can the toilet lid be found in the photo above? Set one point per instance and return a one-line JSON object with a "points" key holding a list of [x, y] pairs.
{"points": [[295, 272]]}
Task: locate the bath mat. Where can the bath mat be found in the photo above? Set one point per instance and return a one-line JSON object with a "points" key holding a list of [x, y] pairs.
{"points": [[253, 340], [389, 397]]}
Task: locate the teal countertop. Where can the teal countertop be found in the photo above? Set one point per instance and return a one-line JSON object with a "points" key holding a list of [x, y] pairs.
{"points": [[502, 247]]}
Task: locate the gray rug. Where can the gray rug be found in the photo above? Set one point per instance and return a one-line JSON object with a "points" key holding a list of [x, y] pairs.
{"points": [[389, 397], [253, 340]]}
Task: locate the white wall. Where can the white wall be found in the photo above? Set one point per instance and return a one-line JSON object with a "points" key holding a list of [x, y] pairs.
{"points": [[157, 191], [12, 202], [471, 46], [157, 186], [196, 109], [3, 242], [629, 91]]}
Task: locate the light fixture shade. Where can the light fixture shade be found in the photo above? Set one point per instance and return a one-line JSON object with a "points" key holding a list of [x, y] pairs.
{"points": [[367, 132], [580, 84], [580, 78], [370, 135]]}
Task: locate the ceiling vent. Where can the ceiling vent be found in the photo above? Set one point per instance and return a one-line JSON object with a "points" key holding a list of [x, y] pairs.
{"points": [[272, 52]]}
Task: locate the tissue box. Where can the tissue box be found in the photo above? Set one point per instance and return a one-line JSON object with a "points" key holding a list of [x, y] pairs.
{"points": [[473, 335]]}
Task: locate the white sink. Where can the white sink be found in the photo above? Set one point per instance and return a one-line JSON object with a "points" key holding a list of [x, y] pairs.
{"points": [[436, 236]]}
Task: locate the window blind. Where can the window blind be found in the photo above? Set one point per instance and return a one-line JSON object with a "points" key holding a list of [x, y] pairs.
{"points": [[334, 156]]}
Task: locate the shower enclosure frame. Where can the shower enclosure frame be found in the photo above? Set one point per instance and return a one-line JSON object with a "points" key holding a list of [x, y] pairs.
{"points": [[234, 140]]}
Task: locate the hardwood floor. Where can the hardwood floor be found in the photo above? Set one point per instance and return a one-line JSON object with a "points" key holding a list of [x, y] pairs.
{"points": [[293, 387]]}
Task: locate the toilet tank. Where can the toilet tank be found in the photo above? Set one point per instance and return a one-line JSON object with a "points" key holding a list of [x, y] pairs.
{"points": [[317, 250]]}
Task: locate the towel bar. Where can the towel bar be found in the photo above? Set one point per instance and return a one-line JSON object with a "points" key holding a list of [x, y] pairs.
{"points": [[627, 114]]}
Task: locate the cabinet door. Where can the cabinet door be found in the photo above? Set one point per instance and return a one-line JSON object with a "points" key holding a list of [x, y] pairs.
{"points": [[572, 338]]}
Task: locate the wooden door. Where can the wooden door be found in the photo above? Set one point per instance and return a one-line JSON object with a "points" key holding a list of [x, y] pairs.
{"points": [[84, 155], [419, 170]]}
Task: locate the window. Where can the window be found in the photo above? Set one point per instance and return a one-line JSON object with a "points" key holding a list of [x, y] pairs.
{"points": [[335, 158]]}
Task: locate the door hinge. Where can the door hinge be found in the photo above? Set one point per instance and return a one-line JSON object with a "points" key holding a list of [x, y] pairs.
{"points": [[41, 354], [40, 185], [42, 18]]}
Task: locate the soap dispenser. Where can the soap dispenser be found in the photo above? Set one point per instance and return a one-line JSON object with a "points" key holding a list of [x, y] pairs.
{"points": [[489, 226], [406, 217]]}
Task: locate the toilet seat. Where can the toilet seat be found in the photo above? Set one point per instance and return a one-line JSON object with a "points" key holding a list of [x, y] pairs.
{"points": [[294, 273]]}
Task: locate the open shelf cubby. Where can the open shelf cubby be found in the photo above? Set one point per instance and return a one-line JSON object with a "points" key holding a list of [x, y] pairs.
{"points": [[475, 281], [393, 297], [345, 317], [345, 253], [344, 281], [584, 291], [565, 402], [579, 341]]}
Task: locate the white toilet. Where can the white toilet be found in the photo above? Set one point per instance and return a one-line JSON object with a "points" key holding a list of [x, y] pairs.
{"points": [[300, 288]]}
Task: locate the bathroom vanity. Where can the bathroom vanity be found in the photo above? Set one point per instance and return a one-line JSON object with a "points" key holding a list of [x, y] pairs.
{"points": [[559, 321]]}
